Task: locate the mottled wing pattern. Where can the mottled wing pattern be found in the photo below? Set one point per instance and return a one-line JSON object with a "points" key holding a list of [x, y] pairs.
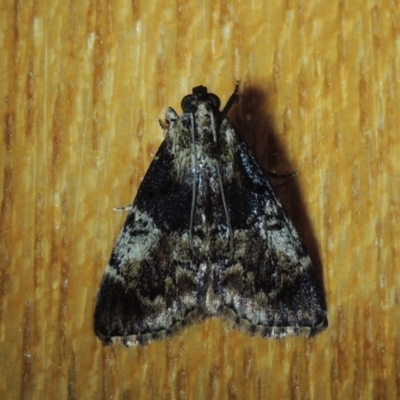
{"points": [[206, 236], [147, 292], [269, 287]]}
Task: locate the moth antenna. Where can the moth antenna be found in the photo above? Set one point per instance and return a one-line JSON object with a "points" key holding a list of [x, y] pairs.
{"points": [[232, 100], [214, 131], [228, 220], [194, 182]]}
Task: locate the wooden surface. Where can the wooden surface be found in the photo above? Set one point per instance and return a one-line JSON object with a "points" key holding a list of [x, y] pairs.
{"points": [[83, 85]]}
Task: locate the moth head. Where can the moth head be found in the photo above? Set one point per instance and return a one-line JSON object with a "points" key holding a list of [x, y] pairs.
{"points": [[199, 94]]}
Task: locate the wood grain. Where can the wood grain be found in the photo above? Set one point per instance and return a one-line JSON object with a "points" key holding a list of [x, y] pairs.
{"points": [[83, 84]]}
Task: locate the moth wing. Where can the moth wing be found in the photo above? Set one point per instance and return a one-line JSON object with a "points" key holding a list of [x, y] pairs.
{"points": [[147, 292], [269, 287]]}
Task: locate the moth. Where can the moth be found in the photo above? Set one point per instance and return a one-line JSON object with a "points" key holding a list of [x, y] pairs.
{"points": [[206, 236]]}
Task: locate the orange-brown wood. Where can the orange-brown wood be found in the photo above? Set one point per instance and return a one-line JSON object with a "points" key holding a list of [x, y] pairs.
{"points": [[82, 86]]}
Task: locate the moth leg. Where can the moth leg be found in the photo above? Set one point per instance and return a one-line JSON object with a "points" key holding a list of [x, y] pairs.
{"points": [[164, 125], [282, 176], [125, 208]]}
